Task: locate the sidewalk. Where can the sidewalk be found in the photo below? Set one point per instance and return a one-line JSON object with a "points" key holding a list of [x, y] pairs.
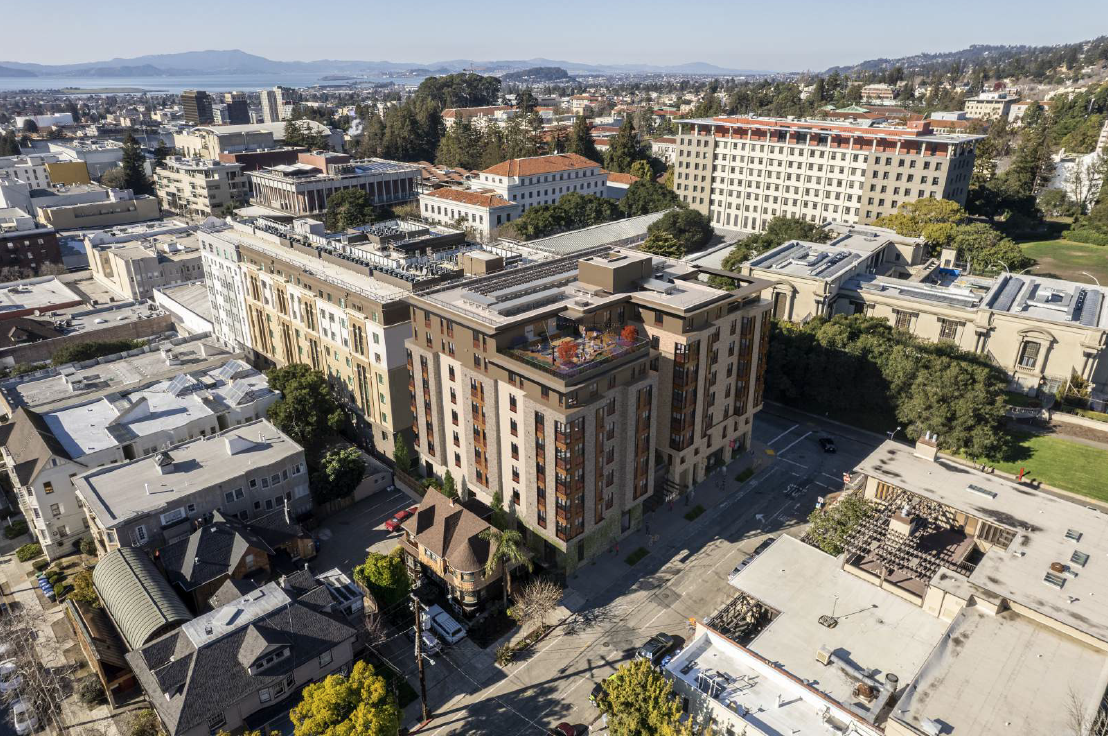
{"points": [[663, 530]]}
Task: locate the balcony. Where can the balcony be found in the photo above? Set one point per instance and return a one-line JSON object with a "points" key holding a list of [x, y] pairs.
{"points": [[567, 355]]}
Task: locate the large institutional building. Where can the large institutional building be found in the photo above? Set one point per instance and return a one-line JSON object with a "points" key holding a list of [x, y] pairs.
{"points": [[568, 384], [1040, 330], [743, 171], [303, 188]]}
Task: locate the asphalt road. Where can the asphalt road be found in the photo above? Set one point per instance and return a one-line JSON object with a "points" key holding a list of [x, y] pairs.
{"points": [[684, 576]]}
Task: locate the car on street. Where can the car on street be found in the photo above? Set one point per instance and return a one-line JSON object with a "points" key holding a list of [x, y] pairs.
{"points": [[431, 644], [447, 629], [827, 444], [757, 551], [401, 516], [565, 729], [655, 648], [25, 719], [10, 679]]}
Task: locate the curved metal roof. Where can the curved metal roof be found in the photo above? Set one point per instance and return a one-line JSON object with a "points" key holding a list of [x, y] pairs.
{"points": [[139, 599]]}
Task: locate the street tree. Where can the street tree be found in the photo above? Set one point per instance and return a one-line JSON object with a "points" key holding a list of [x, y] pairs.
{"points": [[536, 600], [506, 550], [358, 704], [639, 701], [340, 472], [385, 577], [831, 526], [307, 410]]}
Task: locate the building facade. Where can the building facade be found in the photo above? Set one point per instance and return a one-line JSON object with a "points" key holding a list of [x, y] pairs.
{"points": [[197, 107], [563, 386], [304, 187], [199, 188], [24, 243], [743, 172], [480, 211], [114, 207], [990, 105], [544, 179], [132, 270]]}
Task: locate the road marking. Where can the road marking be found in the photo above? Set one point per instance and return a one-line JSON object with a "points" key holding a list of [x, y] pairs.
{"points": [[838, 478], [793, 462], [782, 452], [790, 429], [659, 613]]}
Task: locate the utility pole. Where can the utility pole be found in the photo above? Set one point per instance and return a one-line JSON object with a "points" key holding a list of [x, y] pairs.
{"points": [[419, 656]]}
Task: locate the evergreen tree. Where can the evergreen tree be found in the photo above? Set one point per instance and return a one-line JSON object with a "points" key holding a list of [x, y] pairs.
{"points": [[623, 150], [134, 167], [580, 140]]}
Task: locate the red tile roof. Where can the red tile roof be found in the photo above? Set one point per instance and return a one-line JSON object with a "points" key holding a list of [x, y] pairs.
{"points": [[540, 165], [479, 197], [618, 178]]}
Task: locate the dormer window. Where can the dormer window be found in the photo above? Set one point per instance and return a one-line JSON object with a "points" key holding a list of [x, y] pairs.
{"points": [[272, 657]]}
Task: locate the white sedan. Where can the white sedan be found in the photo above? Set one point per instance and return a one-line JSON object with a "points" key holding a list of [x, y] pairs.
{"points": [[10, 679], [25, 719]]}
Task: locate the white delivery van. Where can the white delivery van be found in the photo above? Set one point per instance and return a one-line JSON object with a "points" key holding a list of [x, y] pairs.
{"points": [[449, 630]]}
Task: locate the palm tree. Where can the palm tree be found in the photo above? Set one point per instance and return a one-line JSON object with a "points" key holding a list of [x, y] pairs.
{"points": [[506, 548]]}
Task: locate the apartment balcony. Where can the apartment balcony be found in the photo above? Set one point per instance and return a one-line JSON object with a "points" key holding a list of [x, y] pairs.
{"points": [[567, 355]]}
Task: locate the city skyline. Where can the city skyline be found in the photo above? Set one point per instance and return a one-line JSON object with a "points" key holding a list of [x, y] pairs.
{"points": [[836, 40]]}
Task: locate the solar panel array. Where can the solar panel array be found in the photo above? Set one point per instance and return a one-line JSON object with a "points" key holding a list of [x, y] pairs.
{"points": [[240, 393], [178, 385]]}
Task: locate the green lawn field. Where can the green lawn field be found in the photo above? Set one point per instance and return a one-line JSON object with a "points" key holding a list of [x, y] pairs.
{"points": [[1066, 259]]}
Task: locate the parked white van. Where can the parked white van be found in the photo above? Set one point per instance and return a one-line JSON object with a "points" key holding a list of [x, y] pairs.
{"points": [[446, 627]]}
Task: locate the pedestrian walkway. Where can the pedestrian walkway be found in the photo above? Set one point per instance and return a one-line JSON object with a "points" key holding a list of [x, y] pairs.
{"points": [[664, 529]]}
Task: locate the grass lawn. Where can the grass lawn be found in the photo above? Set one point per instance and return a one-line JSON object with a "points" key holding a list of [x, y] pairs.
{"points": [[1066, 259], [1012, 398], [1062, 464], [637, 555]]}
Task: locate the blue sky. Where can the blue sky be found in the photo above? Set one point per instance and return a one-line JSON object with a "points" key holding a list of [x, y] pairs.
{"points": [[749, 34]]}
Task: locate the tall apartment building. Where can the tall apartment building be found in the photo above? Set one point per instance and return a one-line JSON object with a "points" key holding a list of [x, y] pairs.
{"points": [[743, 171], [300, 305], [199, 187], [238, 110], [565, 384], [303, 188], [133, 269], [277, 103], [197, 107]]}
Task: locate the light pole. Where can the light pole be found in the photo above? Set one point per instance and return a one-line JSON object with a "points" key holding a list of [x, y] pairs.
{"points": [[1086, 273], [893, 433]]}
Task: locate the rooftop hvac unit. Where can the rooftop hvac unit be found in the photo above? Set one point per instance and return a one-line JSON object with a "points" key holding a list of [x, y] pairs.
{"points": [[823, 656]]}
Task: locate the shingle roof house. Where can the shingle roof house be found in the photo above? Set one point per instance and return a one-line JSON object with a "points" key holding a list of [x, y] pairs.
{"points": [[226, 665]]}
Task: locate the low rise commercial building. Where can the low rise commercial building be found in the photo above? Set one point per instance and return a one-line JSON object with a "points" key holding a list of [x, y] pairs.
{"points": [[45, 450], [743, 171], [132, 270], [188, 307], [110, 207], [98, 155], [520, 379], [303, 188], [199, 187], [25, 244], [154, 500]]}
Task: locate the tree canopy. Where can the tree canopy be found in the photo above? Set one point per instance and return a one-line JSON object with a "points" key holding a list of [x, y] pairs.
{"points": [[779, 231], [79, 351], [385, 577], [933, 220], [307, 410], [645, 196], [134, 167], [359, 704], [624, 149], [348, 208], [831, 526], [580, 140], [571, 212], [339, 474], [689, 228], [887, 378], [639, 701]]}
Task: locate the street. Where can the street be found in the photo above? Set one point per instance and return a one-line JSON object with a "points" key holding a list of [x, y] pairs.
{"points": [[685, 575]]}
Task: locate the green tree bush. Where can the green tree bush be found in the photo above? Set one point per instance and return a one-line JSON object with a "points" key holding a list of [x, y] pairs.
{"points": [[385, 577], [358, 704]]}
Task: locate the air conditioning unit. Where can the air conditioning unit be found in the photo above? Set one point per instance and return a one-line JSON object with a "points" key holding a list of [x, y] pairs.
{"points": [[823, 656]]}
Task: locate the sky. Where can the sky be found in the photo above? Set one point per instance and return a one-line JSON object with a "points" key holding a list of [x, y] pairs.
{"points": [[769, 35]]}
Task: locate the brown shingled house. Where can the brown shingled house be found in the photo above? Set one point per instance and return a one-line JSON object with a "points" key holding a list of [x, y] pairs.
{"points": [[442, 540]]}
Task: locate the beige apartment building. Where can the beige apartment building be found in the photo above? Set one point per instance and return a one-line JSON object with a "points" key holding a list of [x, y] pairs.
{"points": [[199, 187], [133, 269], [743, 171], [1040, 330], [990, 105], [116, 207], [566, 385], [326, 312]]}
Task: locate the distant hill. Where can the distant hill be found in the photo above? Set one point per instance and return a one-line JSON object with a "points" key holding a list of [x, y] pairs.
{"points": [[1035, 61], [7, 71], [234, 61], [537, 74]]}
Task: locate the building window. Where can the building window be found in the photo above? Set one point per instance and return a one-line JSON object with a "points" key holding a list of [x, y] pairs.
{"points": [[47, 487], [325, 658], [1029, 354], [903, 320], [948, 329]]}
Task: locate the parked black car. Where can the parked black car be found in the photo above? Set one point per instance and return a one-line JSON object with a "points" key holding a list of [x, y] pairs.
{"points": [[655, 648], [827, 444]]}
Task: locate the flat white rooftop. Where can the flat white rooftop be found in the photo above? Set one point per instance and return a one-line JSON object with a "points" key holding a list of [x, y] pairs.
{"points": [[1048, 530], [43, 293], [877, 631], [820, 261], [1004, 674], [1050, 300]]}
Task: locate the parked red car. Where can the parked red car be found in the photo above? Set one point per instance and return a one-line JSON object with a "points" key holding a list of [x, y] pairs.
{"points": [[401, 516]]}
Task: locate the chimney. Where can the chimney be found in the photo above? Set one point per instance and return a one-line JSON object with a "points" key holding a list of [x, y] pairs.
{"points": [[927, 446], [451, 503]]}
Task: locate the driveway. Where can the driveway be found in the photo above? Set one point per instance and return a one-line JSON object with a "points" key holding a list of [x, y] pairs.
{"points": [[347, 536]]}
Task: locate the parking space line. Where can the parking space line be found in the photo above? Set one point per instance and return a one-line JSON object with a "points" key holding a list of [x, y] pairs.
{"points": [[798, 439], [790, 429], [793, 462]]}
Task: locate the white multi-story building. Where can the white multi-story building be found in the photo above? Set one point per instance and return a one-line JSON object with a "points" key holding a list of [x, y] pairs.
{"points": [[226, 286], [480, 211], [199, 187], [544, 179]]}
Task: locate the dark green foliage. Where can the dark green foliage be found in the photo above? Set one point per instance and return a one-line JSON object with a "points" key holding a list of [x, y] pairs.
{"points": [[624, 149], [779, 231], [348, 208], [689, 228], [17, 529], [134, 167], [87, 547], [663, 243], [580, 140], [987, 250], [400, 455], [300, 133], [449, 489], [573, 211], [77, 352], [339, 474], [886, 378], [90, 691], [831, 527], [28, 552], [307, 410], [9, 144], [645, 196]]}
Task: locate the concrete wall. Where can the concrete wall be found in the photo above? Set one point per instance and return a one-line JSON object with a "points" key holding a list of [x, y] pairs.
{"points": [[133, 330]]}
